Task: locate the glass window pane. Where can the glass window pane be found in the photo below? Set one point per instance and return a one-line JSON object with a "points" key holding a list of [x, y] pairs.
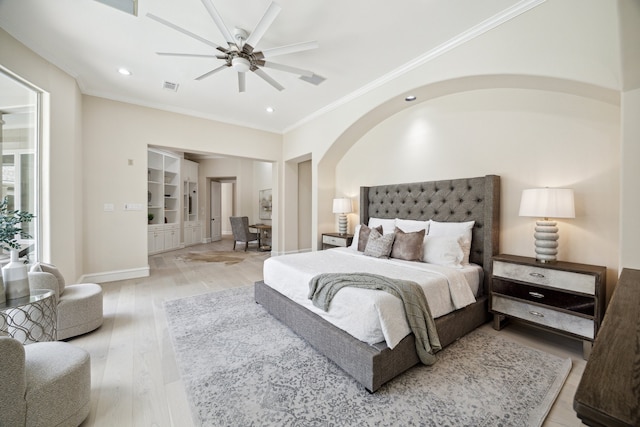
{"points": [[19, 132]]}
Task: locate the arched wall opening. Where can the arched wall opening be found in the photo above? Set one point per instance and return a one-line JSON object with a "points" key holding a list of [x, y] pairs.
{"points": [[531, 130]]}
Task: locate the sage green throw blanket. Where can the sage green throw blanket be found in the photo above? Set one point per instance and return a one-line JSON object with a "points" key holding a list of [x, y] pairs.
{"points": [[323, 287]]}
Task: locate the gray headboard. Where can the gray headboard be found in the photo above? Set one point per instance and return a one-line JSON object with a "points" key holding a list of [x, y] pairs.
{"points": [[453, 200]]}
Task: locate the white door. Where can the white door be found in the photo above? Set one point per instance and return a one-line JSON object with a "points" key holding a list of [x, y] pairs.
{"points": [[216, 212]]}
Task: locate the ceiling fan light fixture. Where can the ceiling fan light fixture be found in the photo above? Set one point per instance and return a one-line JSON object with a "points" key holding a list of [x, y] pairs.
{"points": [[241, 65]]}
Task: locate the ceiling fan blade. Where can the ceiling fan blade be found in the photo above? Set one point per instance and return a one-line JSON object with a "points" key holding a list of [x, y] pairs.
{"points": [[191, 55], [215, 70], [286, 68], [208, 4], [268, 79], [292, 48], [242, 81], [263, 25], [183, 31]]}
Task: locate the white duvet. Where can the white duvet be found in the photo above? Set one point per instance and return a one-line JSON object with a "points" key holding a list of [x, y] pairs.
{"points": [[369, 315]]}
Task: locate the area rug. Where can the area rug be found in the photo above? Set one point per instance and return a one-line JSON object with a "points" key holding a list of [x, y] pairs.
{"points": [[226, 257], [241, 367]]}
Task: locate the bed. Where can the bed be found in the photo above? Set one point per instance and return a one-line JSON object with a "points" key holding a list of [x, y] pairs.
{"points": [[458, 200]]}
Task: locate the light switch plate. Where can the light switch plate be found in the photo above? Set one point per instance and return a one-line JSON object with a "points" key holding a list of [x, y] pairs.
{"points": [[132, 206]]}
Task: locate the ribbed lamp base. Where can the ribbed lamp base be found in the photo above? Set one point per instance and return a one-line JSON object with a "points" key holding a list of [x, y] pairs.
{"points": [[546, 236], [342, 224]]}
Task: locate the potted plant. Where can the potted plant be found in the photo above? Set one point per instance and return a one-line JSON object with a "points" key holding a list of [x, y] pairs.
{"points": [[14, 274], [150, 218]]}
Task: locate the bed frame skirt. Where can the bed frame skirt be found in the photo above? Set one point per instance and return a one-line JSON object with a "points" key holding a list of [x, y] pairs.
{"points": [[370, 365]]}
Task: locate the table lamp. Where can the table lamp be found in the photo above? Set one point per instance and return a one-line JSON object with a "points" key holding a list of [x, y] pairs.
{"points": [[342, 206], [547, 203]]}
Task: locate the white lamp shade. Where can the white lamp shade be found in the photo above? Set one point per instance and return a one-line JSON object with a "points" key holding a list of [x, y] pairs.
{"points": [[547, 203], [342, 205]]}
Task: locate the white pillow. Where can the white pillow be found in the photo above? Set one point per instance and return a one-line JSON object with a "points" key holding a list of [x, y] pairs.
{"points": [[356, 236], [388, 225], [443, 250], [412, 225], [456, 229]]}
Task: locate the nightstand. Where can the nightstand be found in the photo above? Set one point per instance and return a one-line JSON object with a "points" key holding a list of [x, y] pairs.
{"points": [[563, 297], [332, 240]]}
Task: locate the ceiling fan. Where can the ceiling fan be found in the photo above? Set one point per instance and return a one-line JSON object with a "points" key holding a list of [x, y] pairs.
{"points": [[241, 54]]}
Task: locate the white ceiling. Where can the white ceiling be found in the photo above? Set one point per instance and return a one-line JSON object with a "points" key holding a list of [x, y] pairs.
{"points": [[361, 42]]}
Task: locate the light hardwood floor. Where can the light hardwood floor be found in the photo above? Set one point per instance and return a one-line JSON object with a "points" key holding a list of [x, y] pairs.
{"points": [[135, 380]]}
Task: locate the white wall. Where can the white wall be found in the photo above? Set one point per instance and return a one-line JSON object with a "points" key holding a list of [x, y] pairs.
{"points": [[552, 78], [304, 206], [226, 197], [630, 202], [113, 133], [61, 214], [251, 176], [629, 14], [530, 138], [574, 42]]}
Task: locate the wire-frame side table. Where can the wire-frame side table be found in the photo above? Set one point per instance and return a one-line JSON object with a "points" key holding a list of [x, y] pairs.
{"points": [[30, 319]]}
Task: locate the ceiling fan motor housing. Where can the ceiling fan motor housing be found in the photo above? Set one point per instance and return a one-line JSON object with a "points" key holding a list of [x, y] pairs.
{"points": [[240, 64]]}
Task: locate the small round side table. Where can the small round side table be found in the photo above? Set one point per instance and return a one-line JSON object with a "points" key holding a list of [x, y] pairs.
{"points": [[30, 319]]}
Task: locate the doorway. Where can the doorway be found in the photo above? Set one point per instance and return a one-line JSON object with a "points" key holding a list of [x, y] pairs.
{"points": [[222, 197]]}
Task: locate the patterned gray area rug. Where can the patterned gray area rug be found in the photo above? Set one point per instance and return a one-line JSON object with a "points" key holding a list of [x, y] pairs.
{"points": [[241, 367]]}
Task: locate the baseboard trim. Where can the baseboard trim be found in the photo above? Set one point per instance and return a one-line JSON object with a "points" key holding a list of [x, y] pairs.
{"points": [[114, 276]]}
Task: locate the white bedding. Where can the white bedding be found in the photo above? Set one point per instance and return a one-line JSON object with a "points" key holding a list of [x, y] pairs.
{"points": [[369, 315]]}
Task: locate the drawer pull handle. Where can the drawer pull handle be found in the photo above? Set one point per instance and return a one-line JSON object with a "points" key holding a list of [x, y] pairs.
{"points": [[538, 275], [536, 313], [536, 294]]}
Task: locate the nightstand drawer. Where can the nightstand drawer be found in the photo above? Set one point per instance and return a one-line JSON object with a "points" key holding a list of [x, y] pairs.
{"points": [[553, 298], [334, 241], [566, 280], [543, 316]]}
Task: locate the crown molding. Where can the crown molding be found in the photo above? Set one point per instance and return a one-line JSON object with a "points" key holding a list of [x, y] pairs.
{"points": [[462, 38]]}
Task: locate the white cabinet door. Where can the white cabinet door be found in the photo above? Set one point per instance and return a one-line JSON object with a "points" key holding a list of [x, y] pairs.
{"points": [[192, 234], [171, 238], [197, 234], [155, 240], [188, 235]]}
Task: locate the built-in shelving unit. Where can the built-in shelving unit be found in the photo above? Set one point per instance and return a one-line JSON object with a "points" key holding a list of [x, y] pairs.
{"points": [[163, 198], [192, 231]]}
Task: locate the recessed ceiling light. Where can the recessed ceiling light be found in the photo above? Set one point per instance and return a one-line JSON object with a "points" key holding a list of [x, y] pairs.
{"points": [[270, 109], [124, 71], [410, 98]]}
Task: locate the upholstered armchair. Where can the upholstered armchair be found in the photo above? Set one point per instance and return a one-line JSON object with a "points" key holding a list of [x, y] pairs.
{"points": [[43, 384], [240, 228], [79, 306]]}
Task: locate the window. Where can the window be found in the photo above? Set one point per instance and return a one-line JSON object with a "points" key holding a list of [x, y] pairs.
{"points": [[19, 142]]}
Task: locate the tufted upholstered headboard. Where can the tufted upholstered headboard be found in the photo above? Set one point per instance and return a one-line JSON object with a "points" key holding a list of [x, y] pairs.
{"points": [[453, 200]]}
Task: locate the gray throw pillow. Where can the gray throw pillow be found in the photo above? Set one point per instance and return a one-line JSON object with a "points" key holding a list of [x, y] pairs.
{"points": [[379, 246], [363, 236], [407, 246]]}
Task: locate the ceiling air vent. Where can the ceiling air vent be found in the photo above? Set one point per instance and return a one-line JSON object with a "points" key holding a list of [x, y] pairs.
{"points": [[170, 86], [128, 6], [313, 79]]}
